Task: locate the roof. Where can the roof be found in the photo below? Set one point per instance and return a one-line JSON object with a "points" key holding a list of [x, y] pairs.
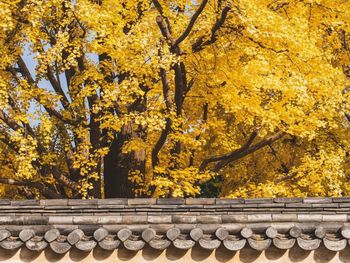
{"points": [[183, 223]]}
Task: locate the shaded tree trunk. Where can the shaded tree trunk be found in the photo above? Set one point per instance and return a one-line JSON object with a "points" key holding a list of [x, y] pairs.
{"points": [[118, 165]]}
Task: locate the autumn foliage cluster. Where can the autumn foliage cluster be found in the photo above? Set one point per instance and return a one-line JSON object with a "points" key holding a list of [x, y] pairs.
{"points": [[174, 98]]}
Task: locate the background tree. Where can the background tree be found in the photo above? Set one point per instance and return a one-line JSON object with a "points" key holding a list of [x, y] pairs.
{"points": [[119, 98]]}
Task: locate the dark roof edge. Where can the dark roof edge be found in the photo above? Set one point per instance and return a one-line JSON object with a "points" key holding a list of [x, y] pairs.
{"points": [[175, 201]]}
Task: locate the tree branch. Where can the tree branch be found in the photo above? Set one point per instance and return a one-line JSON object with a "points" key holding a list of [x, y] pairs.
{"points": [[45, 191], [57, 87], [260, 44], [64, 180], [9, 121], [164, 28], [160, 10], [162, 139], [283, 165], [249, 150], [54, 81], [57, 175], [15, 126], [229, 155], [284, 178], [160, 143], [191, 24], [6, 139], [199, 44], [51, 111]]}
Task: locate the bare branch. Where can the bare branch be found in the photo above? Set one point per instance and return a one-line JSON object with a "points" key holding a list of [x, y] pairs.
{"points": [[9, 121], [260, 44], [57, 87], [164, 28], [160, 10], [249, 150], [283, 165], [64, 180], [199, 44], [15, 126], [191, 24], [45, 191], [52, 112], [285, 178], [158, 6], [347, 117], [229, 155], [5, 138], [57, 175], [26, 191]]}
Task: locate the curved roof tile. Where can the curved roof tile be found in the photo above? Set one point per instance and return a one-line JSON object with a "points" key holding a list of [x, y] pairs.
{"points": [[183, 223]]}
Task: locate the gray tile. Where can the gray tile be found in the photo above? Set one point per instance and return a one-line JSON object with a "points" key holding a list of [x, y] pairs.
{"points": [[170, 201], [200, 201]]}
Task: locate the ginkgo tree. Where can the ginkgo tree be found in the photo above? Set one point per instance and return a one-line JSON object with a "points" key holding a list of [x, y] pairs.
{"points": [[120, 98]]}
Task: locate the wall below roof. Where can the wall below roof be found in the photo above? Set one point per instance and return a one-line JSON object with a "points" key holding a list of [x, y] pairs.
{"points": [[173, 255]]}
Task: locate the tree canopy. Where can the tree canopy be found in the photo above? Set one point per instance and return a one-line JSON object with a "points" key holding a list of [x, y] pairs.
{"points": [[120, 98]]}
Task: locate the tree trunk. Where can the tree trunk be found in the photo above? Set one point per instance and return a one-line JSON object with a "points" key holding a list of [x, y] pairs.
{"points": [[118, 165]]}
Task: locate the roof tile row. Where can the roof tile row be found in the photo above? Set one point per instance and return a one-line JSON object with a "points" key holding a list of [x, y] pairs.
{"points": [[289, 202]]}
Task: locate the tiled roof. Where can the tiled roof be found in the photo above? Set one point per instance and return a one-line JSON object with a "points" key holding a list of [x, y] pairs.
{"points": [[159, 223]]}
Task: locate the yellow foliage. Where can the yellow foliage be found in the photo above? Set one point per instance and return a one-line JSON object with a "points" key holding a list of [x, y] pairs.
{"points": [[250, 99]]}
